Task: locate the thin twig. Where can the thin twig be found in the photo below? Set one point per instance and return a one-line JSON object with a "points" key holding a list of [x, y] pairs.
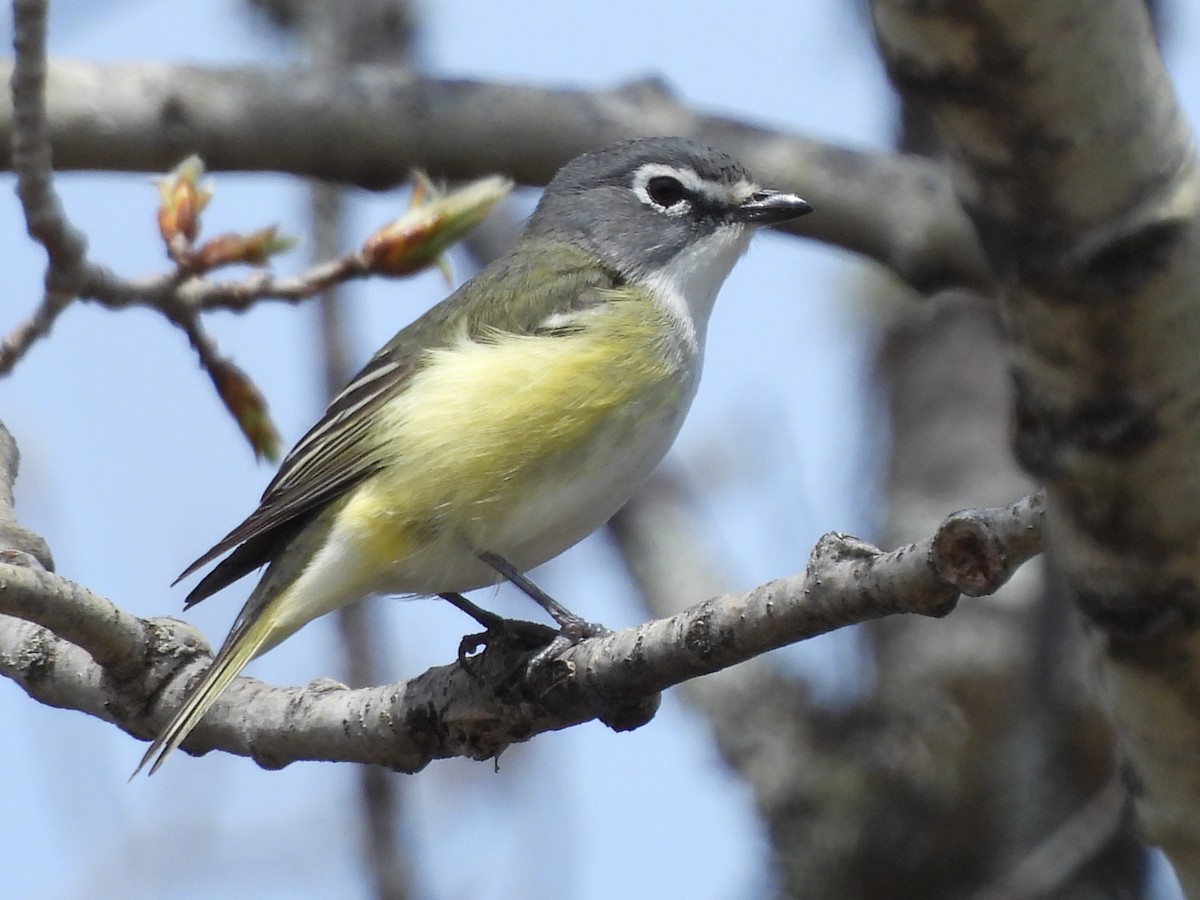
{"points": [[65, 246], [69, 276], [180, 297]]}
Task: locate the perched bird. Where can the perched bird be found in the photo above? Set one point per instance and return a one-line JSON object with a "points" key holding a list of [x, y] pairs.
{"points": [[509, 421]]}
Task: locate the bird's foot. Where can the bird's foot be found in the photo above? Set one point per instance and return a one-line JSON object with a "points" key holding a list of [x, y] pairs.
{"points": [[572, 628], [570, 633], [541, 641], [528, 636]]}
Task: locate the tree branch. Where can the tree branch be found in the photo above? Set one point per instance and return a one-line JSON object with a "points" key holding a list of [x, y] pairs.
{"points": [[337, 36], [67, 647], [404, 246], [370, 126], [28, 139]]}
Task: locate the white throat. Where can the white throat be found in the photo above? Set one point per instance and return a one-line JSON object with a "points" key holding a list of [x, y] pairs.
{"points": [[687, 286]]}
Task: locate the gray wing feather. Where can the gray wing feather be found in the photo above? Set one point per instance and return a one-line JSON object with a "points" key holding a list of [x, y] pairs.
{"points": [[336, 454]]}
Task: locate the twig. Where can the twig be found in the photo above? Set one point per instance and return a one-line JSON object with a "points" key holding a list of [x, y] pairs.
{"points": [[69, 275], [181, 297], [404, 246], [30, 141]]}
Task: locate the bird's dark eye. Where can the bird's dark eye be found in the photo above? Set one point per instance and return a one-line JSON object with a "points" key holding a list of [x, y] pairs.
{"points": [[665, 190]]}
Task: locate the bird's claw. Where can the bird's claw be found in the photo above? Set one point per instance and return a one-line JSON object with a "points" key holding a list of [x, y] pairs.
{"points": [[571, 633], [515, 632]]}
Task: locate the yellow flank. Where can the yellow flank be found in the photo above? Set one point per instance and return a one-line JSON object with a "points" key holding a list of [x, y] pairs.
{"points": [[382, 537], [488, 421]]}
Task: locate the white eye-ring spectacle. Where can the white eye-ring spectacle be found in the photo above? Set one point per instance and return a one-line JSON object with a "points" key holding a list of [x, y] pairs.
{"points": [[675, 190], [666, 188]]}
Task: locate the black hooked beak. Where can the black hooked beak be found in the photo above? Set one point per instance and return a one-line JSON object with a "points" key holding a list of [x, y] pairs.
{"points": [[766, 207]]}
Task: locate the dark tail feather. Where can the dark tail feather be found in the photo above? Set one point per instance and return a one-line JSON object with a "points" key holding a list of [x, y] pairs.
{"points": [[253, 554]]}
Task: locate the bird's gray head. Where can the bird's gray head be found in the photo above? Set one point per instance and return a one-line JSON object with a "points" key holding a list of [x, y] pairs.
{"points": [[640, 204]]}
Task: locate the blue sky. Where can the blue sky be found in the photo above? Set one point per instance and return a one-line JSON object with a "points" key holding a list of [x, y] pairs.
{"points": [[131, 468]]}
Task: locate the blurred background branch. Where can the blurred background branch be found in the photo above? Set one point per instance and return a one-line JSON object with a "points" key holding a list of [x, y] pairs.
{"points": [[899, 210]]}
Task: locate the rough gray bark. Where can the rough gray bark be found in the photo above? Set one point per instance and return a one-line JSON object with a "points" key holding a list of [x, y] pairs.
{"points": [[998, 695], [1071, 157]]}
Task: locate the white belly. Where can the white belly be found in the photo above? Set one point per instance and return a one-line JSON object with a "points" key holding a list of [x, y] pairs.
{"points": [[570, 506]]}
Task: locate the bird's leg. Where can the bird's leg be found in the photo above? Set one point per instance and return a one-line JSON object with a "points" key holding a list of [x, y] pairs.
{"points": [[489, 620], [573, 628]]}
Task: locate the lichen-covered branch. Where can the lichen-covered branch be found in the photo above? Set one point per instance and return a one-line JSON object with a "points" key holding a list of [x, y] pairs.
{"points": [[1077, 167], [371, 125]]}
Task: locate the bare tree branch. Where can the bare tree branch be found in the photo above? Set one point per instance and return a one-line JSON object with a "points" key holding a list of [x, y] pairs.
{"points": [[1093, 218], [29, 141], [404, 246], [181, 293], [810, 764], [371, 125], [133, 672]]}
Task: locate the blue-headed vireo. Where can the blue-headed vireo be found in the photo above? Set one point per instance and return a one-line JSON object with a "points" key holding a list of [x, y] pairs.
{"points": [[513, 418]]}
